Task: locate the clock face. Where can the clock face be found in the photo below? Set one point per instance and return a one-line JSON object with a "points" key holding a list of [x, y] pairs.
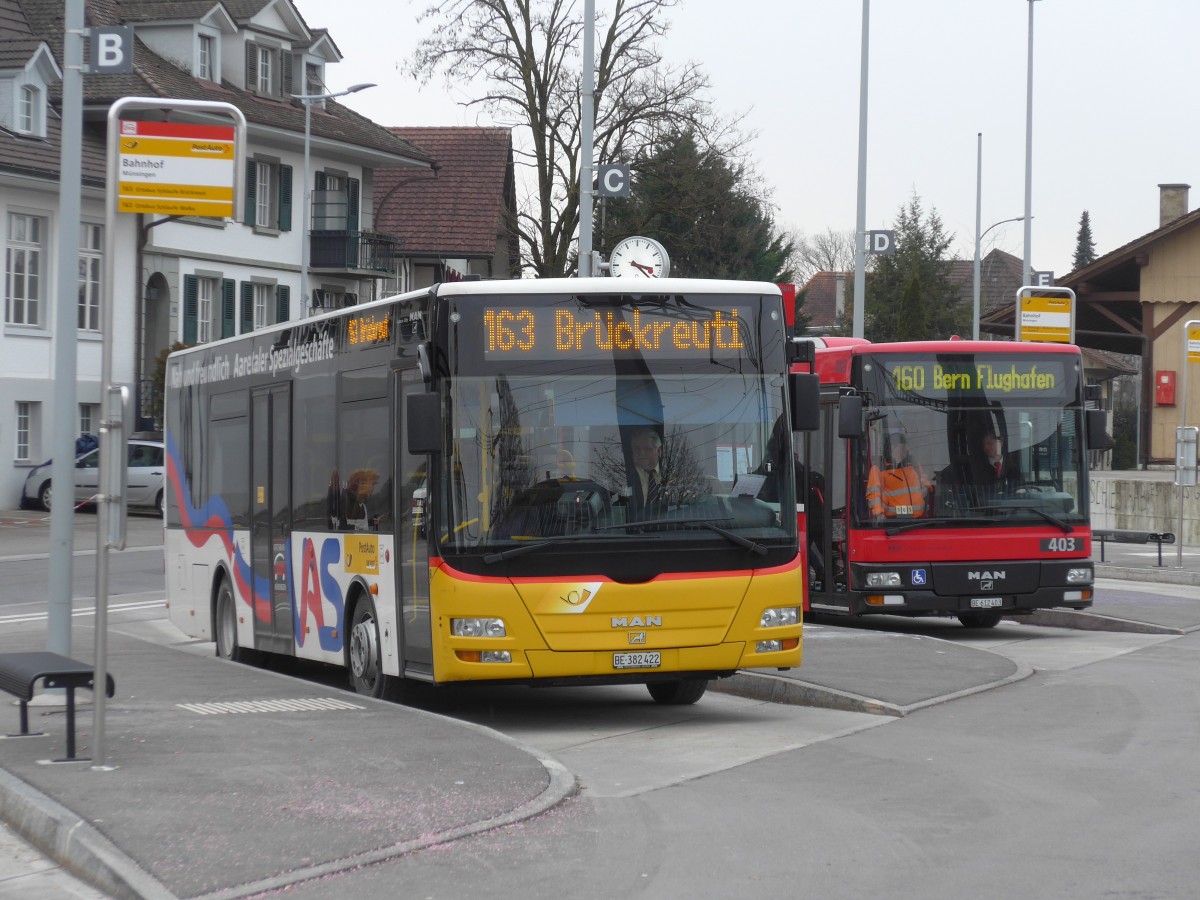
{"points": [[639, 257]]}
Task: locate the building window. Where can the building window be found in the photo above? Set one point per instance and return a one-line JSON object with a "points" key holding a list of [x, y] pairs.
{"points": [[264, 305], [24, 252], [27, 110], [266, 60], [313, 83], [26, 422], [207, 297], [268, 195], [87, 417], [204, 65], [90, 257]]}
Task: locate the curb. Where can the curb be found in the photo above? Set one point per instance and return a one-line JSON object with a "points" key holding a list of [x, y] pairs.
{"points": [[1080, 620], [778, 689], [1152, 574], [74, 843]]}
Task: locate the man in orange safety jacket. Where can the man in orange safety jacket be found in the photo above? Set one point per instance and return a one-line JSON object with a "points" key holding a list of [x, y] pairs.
{"points": [[901, 488]]}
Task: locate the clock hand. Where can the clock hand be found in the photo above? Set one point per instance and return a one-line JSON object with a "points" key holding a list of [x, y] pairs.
{"points": [[648, 271]]}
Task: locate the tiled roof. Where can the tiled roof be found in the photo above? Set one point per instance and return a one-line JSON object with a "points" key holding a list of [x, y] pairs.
{"points": [[39, 157], [457, 210], [12, 21], [153, 76], [820, 299], [14, 54], [1000, 275]]}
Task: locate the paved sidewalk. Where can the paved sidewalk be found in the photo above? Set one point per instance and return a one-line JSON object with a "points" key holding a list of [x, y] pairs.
{"points": [[265, 803]]}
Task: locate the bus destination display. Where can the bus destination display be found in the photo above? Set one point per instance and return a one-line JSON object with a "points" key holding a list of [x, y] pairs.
{"points": [[368, 329], [546, 333], [1009, 377]]}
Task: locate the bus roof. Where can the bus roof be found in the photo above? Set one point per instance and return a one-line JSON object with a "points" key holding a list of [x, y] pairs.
{"points": [[606, 286]]}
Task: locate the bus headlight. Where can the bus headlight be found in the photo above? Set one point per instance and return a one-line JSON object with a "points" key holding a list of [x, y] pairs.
{"points": [[778, 616], [883, 579], [477, 628], [1079, 576]]}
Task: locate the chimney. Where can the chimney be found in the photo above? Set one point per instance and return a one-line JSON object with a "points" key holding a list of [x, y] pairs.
{"points": [[839, 293], [1172, 202]]}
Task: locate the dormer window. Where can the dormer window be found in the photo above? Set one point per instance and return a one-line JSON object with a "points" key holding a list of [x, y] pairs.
{"points": [[28, 100], [204, 58], [266, 60], [313, 83]]}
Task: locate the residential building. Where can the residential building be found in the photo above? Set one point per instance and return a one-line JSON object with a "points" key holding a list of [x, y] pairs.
{"points": [[457, 219], [178, 278]]}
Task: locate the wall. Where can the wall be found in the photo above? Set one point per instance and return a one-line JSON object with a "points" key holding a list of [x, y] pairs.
{"points": [[1148, 502]]}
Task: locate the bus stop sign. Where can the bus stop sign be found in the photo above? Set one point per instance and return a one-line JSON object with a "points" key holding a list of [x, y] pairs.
{"points": [[1046, 314]]}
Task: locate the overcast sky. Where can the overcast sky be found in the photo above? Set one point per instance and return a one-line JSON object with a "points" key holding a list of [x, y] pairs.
{"points": [[1114, 105]]}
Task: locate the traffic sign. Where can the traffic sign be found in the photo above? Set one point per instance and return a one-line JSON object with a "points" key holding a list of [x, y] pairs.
{"points": [[111, 50], [881, 243], [176, 169], [1193, 343], [612, 181], [1046, 314]]}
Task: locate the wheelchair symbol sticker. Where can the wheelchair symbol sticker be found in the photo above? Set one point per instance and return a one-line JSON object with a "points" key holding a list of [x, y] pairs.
{"points": [[918, 576]]}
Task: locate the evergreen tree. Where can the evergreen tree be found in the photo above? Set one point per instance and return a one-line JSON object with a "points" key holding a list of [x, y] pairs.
{"points": [[705, 206], [1085, 247], [909, 295]]}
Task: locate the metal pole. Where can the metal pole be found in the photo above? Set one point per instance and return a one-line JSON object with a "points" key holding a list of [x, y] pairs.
{"points": [[1027, 267], [978, 241], [978, 236], [860, 228], [587, 96], [64, 391], [306, 202], [1183, 415]]}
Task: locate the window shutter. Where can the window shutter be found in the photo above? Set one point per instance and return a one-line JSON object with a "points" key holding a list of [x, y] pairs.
{"points": [[251, 189], [251, 66], [228, 308], [352, 204], [285, 198], [286, 61], [283, 298], [247, 307], [191, 305]]}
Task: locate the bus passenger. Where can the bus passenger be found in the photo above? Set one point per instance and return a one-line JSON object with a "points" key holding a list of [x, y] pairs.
{"points": [[901, 487]]}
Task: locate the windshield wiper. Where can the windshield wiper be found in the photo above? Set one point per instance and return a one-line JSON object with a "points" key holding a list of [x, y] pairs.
{"points": [[930, 523], [529, 547], [1066, 527], [711, 524]]}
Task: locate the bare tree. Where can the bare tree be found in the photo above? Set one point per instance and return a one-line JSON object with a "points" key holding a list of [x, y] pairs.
{"points": [[829, 251], [525, 56]]}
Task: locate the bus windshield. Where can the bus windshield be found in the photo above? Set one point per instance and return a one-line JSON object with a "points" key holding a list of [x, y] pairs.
{"points": [[615, 418], [978, 439]]}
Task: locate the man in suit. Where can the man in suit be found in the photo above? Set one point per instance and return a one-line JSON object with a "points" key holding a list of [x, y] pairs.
{"points": [[646, 450]]}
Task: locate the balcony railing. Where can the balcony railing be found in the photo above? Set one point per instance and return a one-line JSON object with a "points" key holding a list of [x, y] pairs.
{"points": [[369, 251]]}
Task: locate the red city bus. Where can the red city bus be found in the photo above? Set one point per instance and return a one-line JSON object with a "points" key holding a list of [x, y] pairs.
{"points": [[948, 478]]}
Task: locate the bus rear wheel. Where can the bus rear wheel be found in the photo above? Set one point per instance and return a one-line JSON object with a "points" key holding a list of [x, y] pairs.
{"points": [[989, 619], [365, 661], [227, 639], [683, 692]]}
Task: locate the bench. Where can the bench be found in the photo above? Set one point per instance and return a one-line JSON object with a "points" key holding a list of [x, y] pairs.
{"points": [[20, 672], [1128, 536]]}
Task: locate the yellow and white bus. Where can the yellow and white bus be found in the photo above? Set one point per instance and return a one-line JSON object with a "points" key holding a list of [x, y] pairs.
{"points": [[442, 486]]}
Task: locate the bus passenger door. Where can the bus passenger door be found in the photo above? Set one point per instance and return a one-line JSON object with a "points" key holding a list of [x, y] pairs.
{"points": [[415, 495], [270, 524], [826, 511]]}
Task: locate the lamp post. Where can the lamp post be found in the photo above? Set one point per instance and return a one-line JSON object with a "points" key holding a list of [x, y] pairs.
{"points": [[978, 240], [306, 194]]}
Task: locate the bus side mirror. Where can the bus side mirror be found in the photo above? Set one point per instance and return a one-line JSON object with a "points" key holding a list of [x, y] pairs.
{"points": [[1097, 436], [423, 413], [850, 416], [805, 392]]}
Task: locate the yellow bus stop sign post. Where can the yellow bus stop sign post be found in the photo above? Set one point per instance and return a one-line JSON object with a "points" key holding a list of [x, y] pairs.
{"points": [[1046, 314], [1191, 356]]}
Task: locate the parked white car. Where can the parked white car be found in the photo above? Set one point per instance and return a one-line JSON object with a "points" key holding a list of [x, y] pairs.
{"points": [[146, 477]]}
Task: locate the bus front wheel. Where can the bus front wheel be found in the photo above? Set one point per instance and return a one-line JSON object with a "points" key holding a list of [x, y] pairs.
{"points": [[683, 692], [989, 619], [365, 661]]}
